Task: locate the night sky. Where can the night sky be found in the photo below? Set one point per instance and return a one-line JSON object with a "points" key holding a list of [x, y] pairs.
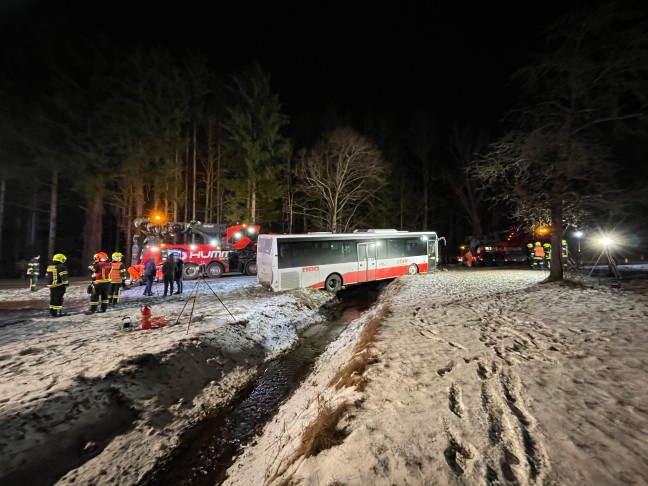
{"points": [[453, 61]]}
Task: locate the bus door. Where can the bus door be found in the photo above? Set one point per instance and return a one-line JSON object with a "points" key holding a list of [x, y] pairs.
{"points": [[432, 254], [366, 262]]}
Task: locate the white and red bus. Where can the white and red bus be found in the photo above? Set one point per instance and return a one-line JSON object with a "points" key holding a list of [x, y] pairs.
{"points": [[332, 260]]}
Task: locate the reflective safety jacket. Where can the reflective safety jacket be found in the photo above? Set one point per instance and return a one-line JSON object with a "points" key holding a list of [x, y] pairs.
{"points": [[101, 272], [33, 267], [56, 275], [547, 250], [118, 273], [538, 252]]}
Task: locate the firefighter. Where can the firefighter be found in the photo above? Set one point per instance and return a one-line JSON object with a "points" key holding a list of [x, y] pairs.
{"points": [[538, 255], [100, 283], [117, 278], [57, 282], [91, 267], [33, 270], [564, 249], [530, 253], [547, 257]]}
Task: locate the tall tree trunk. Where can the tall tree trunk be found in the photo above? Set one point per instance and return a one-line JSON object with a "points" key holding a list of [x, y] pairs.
{"points": [[33, 223], [556, 270], [426, 208], [253, 203], [53, 214], [402, 202], [3, 188], [193, 195], [219, 186], [93, 227], [128, 230], [175, 186]]}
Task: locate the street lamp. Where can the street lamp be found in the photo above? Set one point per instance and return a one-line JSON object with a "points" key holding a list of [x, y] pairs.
{"points": [[578, 235]]}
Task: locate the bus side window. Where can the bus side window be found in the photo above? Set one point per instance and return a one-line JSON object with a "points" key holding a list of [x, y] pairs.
{"points": [[381, 250], [362, 252], [395, 248], [349, 251], [285, 255]]}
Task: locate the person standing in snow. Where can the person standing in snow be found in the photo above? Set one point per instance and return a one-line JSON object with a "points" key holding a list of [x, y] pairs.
{"points": [[33, 271], [149, 276], [57, 282], [117, 278], [538, 256], [101, 283], [168, 273], [179, 275]]}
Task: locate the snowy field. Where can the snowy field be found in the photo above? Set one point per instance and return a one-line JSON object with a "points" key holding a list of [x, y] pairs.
{"points": [[475, 378], [472, 377]]}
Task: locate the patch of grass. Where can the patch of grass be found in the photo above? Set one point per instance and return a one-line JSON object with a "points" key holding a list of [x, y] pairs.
{"points": [[351, 374], [322, 433], [27, 351]]}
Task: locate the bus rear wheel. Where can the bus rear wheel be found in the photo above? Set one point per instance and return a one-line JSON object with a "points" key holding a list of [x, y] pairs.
{"points": [[214, 270], [251, 269], [190, 271], [333, 283], [412, 269]]}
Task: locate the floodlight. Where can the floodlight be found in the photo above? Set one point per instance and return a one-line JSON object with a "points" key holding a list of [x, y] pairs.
{"points": [[607, 241], [213, 242]]}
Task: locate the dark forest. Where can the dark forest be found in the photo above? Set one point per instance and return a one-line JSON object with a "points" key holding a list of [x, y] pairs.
{"points": [[465, 121]]}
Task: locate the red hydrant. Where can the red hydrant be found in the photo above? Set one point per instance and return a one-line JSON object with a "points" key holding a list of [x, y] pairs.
{"points": [[146, 317]]}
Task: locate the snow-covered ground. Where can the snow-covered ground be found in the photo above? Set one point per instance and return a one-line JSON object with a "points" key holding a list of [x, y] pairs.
{"points": [[479, 377], [472, 377]]}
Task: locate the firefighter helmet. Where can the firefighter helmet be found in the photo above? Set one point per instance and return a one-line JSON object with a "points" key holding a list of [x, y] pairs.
{"points": [[547, 245], [117, 256], [529, 245], [537, 243], [102, 256], [59, 257]]}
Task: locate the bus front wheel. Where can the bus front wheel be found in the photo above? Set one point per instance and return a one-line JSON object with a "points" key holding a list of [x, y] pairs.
{"points": [[412, 269], [251, 269], [333, 283], [214, 270], [190, 271]]}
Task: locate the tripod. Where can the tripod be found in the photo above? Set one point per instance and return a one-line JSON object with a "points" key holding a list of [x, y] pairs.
{"points": [[611, 264], [194, 296]]}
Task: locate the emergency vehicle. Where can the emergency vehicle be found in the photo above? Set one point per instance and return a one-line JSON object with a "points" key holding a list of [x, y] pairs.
{"points": [[486, 251], [212, 249]]}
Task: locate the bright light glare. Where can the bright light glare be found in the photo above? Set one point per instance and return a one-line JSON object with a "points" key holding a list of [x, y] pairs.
{"points": [[424, 238], [250, 230], [606, 241], [237, 234], [155, 248], [193, 247], [213, 242], [578, 234]]}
